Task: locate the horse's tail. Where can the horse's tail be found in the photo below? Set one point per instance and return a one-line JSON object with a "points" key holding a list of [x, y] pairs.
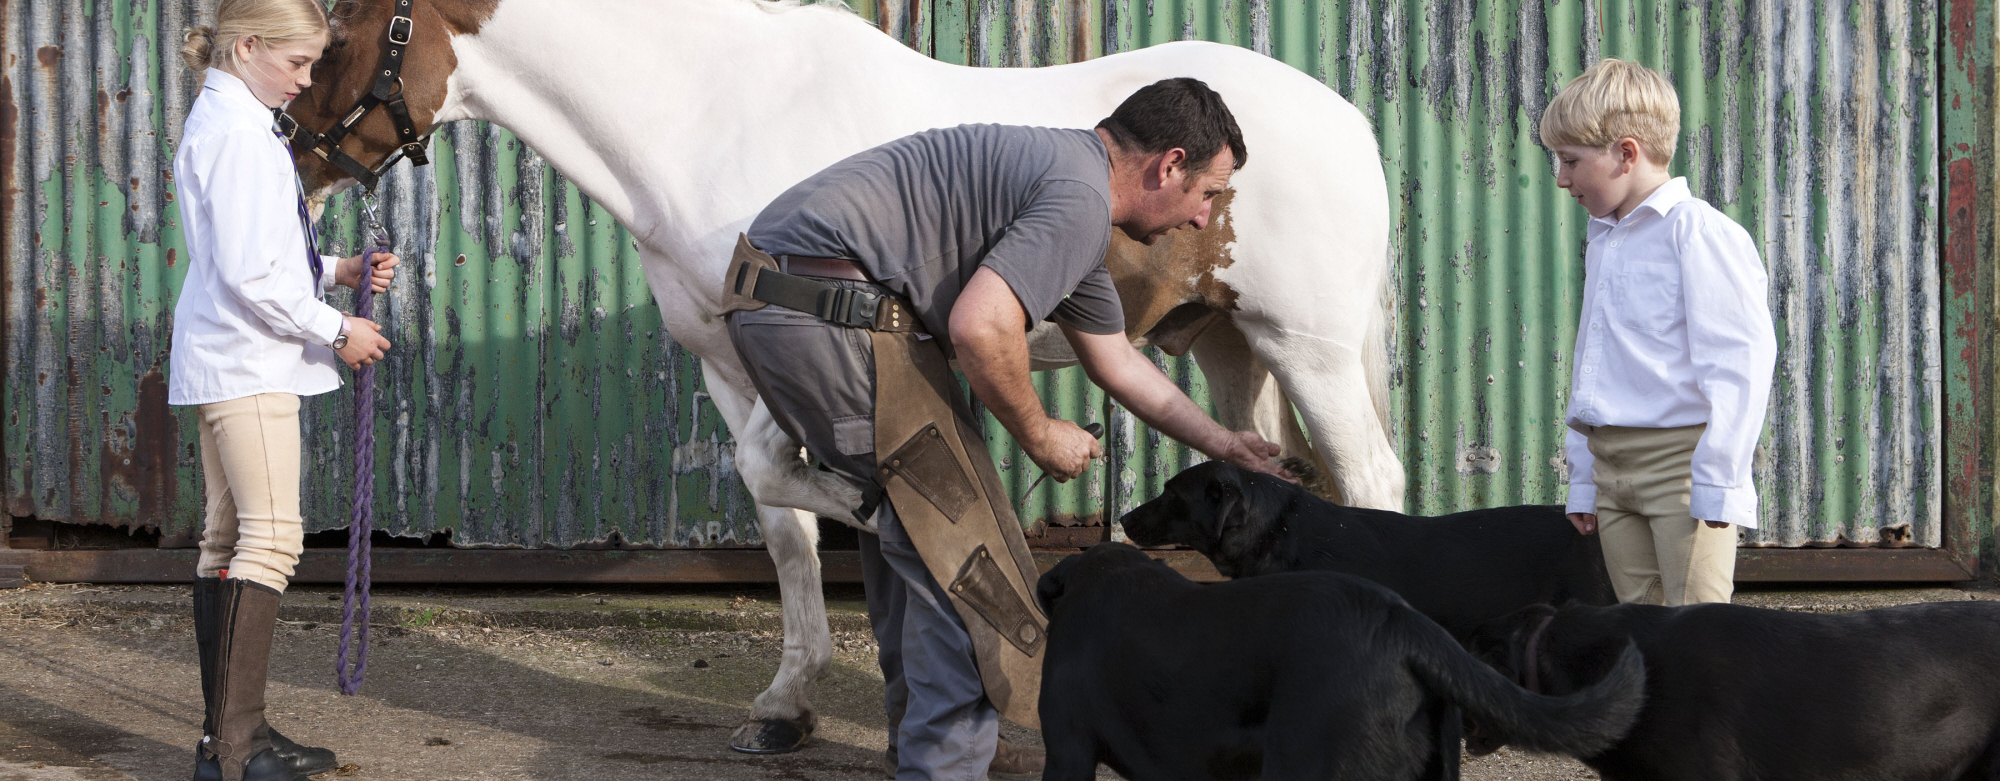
{"points": [[1375, 356]]}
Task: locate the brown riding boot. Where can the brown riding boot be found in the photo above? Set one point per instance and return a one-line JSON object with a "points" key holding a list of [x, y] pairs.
{"points": [[238, 738], [303, 760]]}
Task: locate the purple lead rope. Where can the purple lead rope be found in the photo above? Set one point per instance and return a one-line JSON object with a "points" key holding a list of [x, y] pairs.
{"points": [[361, 527]]}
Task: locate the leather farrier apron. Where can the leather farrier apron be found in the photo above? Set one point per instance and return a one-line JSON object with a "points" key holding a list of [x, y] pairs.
{"points": [[936, 471]]}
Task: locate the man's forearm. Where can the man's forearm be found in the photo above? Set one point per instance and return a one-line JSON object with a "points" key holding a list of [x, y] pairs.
{"points": [[996, 367], [1145, 392]]}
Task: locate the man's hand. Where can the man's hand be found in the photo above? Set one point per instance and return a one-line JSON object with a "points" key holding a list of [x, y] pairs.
{"points": [[1063, 450], [365, 344], [347, 273], [1585, 523], [1252, 451]]}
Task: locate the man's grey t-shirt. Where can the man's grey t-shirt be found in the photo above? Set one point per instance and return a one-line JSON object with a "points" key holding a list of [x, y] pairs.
{"points": [[923, 212]]}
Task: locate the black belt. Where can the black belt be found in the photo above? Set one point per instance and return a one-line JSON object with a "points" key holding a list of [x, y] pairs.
{"points": [[838, 305]]}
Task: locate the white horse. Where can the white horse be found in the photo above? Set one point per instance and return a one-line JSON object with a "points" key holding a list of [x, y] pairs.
{"points": [[683, 118]]}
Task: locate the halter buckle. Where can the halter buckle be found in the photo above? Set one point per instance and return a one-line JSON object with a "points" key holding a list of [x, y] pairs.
{"points": [[401, 28]]}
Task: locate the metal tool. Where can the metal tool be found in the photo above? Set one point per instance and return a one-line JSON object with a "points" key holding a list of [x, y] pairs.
{"points": [[1094, 429]]}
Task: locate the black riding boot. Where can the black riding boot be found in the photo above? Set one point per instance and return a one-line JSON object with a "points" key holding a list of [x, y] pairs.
{"points": [[303, 760], [236, 745]]}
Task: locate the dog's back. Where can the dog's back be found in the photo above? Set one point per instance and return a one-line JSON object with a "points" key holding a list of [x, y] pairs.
{"points": [[1461, 569], [1736, 691], [1286, 676]]}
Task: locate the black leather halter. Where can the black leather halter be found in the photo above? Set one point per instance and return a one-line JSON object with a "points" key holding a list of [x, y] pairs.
{"points": [[387, 93]]}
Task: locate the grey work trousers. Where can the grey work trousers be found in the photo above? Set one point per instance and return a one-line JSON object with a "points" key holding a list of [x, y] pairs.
{"points": [[818, 379]]}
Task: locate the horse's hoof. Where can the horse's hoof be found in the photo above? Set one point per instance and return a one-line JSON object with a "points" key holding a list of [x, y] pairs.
{"points": [[772, 736]]}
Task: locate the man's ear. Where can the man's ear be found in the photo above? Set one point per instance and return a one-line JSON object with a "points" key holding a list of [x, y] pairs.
{"points": [[1164, 166]]}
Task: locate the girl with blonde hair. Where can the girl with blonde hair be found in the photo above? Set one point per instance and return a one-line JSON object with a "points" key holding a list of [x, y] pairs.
{"points": [[253, 333]]}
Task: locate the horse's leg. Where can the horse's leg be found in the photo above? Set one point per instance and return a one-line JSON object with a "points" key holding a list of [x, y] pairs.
{"points": [[781, 718], [1247, 398], [1325, 376]]}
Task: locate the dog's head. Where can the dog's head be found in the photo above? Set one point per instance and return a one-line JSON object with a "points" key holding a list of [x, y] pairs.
{"points": [[1217, 508], [1079, 573]]}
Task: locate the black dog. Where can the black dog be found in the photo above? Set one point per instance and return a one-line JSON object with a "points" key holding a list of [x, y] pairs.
{"points": [[1462, 570], [1306, 675], [1907, 693]]}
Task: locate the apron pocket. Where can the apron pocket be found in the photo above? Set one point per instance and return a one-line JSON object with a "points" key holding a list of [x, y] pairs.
{"points": [[928, 465], [983, 586]]}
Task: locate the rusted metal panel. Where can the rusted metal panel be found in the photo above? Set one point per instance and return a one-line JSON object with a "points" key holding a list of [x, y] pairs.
{"points": [[404, 565], [534, 399], [1970, 35], [1813, 124]]}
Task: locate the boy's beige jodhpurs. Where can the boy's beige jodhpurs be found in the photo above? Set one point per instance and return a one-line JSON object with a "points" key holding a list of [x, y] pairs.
{"points": [[1656, 553]]}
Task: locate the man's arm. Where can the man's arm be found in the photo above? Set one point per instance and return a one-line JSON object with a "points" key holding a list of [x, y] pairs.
{"points": [[989, 336], [1137, 384]]}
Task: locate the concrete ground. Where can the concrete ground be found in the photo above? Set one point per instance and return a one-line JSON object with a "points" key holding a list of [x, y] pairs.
{"points": [[98, 683]]}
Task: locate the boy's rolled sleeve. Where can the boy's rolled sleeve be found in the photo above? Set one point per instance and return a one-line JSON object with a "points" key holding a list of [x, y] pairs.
{"points": [[1732, 345]]}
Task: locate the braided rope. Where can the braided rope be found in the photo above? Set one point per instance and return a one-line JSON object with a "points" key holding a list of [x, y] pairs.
{"points": [[362, 523]]}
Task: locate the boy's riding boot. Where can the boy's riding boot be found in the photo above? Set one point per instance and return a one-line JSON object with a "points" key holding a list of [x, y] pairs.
{"points": [[244, 614], [303, 760]]}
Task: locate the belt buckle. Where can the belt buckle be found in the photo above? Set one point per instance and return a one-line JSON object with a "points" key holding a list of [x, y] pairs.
{"points": [[851, 307]]}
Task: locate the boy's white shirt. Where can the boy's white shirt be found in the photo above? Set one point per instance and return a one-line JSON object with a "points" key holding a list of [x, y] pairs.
{"points": [[248, 319], [1676, 330]]}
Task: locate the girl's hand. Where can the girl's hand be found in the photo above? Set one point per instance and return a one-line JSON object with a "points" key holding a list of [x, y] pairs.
{"points": [[347, 273], [365, 344]]}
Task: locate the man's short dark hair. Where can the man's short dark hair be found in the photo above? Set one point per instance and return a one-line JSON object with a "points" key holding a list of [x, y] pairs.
{"points": [[1182, 113]]}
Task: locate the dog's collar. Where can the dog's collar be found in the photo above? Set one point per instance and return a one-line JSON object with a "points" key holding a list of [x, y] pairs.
{"points": [[1532, 669]]}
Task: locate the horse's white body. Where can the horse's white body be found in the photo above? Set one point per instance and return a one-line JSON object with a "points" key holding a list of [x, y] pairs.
{"points": [[683, 118]]}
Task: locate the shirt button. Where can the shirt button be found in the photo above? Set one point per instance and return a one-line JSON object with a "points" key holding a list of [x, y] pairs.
{"points": [[1614, 244], [1589, 370]]}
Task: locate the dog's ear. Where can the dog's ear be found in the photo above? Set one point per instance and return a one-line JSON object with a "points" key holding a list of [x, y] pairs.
{"points": [[1225, 499], [1049, 587]]}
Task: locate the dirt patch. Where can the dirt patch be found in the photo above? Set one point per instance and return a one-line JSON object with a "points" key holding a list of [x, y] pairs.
{"points": [[478, 684]]}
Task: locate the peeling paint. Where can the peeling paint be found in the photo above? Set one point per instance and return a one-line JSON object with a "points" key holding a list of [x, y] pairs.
{"points": [[535, 400]]}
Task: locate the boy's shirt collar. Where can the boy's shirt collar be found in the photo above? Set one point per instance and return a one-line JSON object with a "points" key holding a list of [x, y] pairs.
{"points": [[1663, 200]]}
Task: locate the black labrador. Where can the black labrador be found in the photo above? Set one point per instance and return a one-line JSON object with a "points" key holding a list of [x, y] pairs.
{"points": [[1305, 675], [1462, 569], [1734, 693]]}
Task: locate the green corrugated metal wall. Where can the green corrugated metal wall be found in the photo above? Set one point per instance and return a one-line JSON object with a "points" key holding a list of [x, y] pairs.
{"points": [[536, 401]]}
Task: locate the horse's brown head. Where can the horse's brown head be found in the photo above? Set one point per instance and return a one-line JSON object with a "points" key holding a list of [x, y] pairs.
{"points": [[351, 65]]}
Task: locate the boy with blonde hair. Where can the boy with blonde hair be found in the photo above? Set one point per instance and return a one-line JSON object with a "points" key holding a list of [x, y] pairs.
{"points": [[1674, 349]]}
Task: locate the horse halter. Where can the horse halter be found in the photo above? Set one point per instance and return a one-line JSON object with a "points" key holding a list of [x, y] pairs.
{"points": [[387, 92]]}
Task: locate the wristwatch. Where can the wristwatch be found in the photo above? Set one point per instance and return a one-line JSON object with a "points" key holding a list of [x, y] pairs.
{"points": [[340, 342]]}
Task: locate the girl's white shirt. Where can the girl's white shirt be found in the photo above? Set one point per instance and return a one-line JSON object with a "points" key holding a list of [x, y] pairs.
{"points": [[248, 320]]}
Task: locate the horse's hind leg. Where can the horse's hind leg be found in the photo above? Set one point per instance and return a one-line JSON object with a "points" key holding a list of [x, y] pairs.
{"points": [[1247, 398], [1325, 378], [781, 719]]}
